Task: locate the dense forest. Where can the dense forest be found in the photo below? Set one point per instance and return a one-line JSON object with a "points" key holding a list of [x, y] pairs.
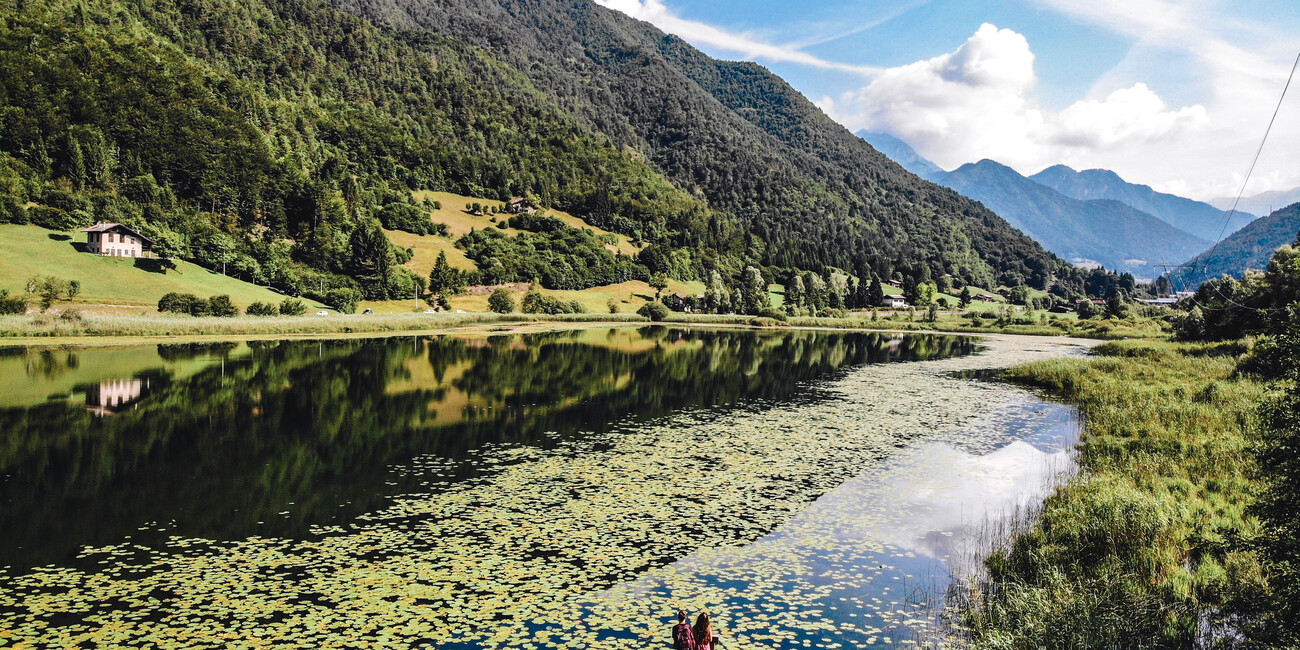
{"points": [[807, 193], [273, 139]]}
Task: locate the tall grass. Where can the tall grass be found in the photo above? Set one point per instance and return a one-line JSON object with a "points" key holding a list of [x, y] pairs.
{"points": [[171, 325], [1148, 546]]}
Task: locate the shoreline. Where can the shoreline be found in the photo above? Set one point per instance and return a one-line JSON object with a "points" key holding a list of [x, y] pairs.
{"points": [[181, 329]]}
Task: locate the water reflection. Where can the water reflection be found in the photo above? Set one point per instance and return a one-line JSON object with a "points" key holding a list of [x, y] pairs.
{"points": [[874, 557], [224, 441]]}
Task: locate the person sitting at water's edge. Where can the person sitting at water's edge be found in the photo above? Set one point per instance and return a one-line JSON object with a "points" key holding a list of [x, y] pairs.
{"points": [[683, 633]]}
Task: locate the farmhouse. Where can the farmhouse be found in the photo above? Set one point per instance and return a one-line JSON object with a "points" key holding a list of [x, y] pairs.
{"points": [[116, 240], [893, 301]]}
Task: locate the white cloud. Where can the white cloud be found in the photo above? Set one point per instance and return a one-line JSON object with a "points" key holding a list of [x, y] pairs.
{"points": [[1126, 115], [979, 101], [698, 33]]}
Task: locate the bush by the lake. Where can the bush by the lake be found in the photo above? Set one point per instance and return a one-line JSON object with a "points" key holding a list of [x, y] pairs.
{"points": [[261, 309], [292, 307], [183, 303], [188, 303], [222, 306], [536, 302], [501, 302], [344, 300], [655, 311], [12, 304], [50, 289]]}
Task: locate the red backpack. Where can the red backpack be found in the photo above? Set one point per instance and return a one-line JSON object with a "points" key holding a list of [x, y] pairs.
{"points": [[683, 637]]}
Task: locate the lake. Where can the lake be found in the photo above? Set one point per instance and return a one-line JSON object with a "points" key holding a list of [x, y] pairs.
{"points": [[502, 490]]}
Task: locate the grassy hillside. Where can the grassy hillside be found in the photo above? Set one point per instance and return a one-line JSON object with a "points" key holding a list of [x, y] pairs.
{"points": [[26, 251]]}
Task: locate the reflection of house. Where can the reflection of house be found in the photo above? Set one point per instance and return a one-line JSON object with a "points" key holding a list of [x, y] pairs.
{"points": [[984, 297], [893, 302], [116, 240], [115, 395]]}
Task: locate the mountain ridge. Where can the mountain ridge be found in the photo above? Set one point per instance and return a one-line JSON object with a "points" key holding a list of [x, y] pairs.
{"points": [[1100, 230], [1248, 248], [1262, 203], [1195, 217], [900, 152]]}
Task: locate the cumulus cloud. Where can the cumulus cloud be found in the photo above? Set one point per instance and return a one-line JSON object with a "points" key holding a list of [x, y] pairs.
{"points": [[1126, 115], [980, 101]]}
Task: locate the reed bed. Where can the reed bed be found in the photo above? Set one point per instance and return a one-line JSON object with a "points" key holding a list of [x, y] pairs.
{"points": [[1149, 545]]}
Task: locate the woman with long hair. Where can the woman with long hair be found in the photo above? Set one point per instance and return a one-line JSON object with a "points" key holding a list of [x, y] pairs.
{"points": [[704, 639]]}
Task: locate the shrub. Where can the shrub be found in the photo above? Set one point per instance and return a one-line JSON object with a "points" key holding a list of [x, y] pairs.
{"points": [[181, 303], [772, 313], [501, 302], [292, 307], [655, 311], [222, 306], [12, 210], [535, 302], [261, 309], [344, 300], [16, 304]]}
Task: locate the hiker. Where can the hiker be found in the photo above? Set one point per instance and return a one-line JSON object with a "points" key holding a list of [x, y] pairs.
{"points": [[704, 639], [683, 634]]}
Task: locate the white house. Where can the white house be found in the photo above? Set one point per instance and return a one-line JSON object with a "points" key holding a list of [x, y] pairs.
{"points": [[893, 302], [116, 240]]}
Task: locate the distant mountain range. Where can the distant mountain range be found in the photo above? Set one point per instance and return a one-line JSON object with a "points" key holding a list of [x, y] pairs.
{"points": [[1248, 248], [1099, 231], [1088, 217], [1200, 219], [900, 152], [1262, 203]]}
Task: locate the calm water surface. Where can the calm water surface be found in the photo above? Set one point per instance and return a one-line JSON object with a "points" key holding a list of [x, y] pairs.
{"points": [[473, 492], [228, 440]]}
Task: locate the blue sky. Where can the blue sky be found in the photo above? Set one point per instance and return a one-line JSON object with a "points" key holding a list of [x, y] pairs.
{"points": [[1172, 93]]}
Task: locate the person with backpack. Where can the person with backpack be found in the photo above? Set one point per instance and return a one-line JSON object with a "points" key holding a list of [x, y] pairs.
{"points": [[683, 633]]}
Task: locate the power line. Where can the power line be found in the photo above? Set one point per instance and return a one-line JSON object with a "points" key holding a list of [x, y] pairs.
{"points": [[1242, 190]]}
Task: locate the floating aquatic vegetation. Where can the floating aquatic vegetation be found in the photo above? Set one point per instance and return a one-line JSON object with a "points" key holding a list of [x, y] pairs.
{"points": [[591, 540]]}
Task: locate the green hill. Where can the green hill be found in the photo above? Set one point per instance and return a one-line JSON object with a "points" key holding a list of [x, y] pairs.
{"points": [[277, 136], [1248, 248], [107, 282]]}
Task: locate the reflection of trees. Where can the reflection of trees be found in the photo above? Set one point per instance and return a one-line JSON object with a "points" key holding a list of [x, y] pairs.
{"points": [[313, 423]]}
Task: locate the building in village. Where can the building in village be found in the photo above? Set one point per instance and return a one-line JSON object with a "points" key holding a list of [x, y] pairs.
{"points": [[116, 240]]}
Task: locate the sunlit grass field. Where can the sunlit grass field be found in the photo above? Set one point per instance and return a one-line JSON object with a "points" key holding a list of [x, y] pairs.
{"points": [[26, 251]]}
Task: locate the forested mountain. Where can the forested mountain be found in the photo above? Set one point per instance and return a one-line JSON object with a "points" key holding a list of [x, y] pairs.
{"points": [[1102, 231], [900, 152], [1248, 248], [1262, 203], [807, 192], [1194, 217], [272, 138]]}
